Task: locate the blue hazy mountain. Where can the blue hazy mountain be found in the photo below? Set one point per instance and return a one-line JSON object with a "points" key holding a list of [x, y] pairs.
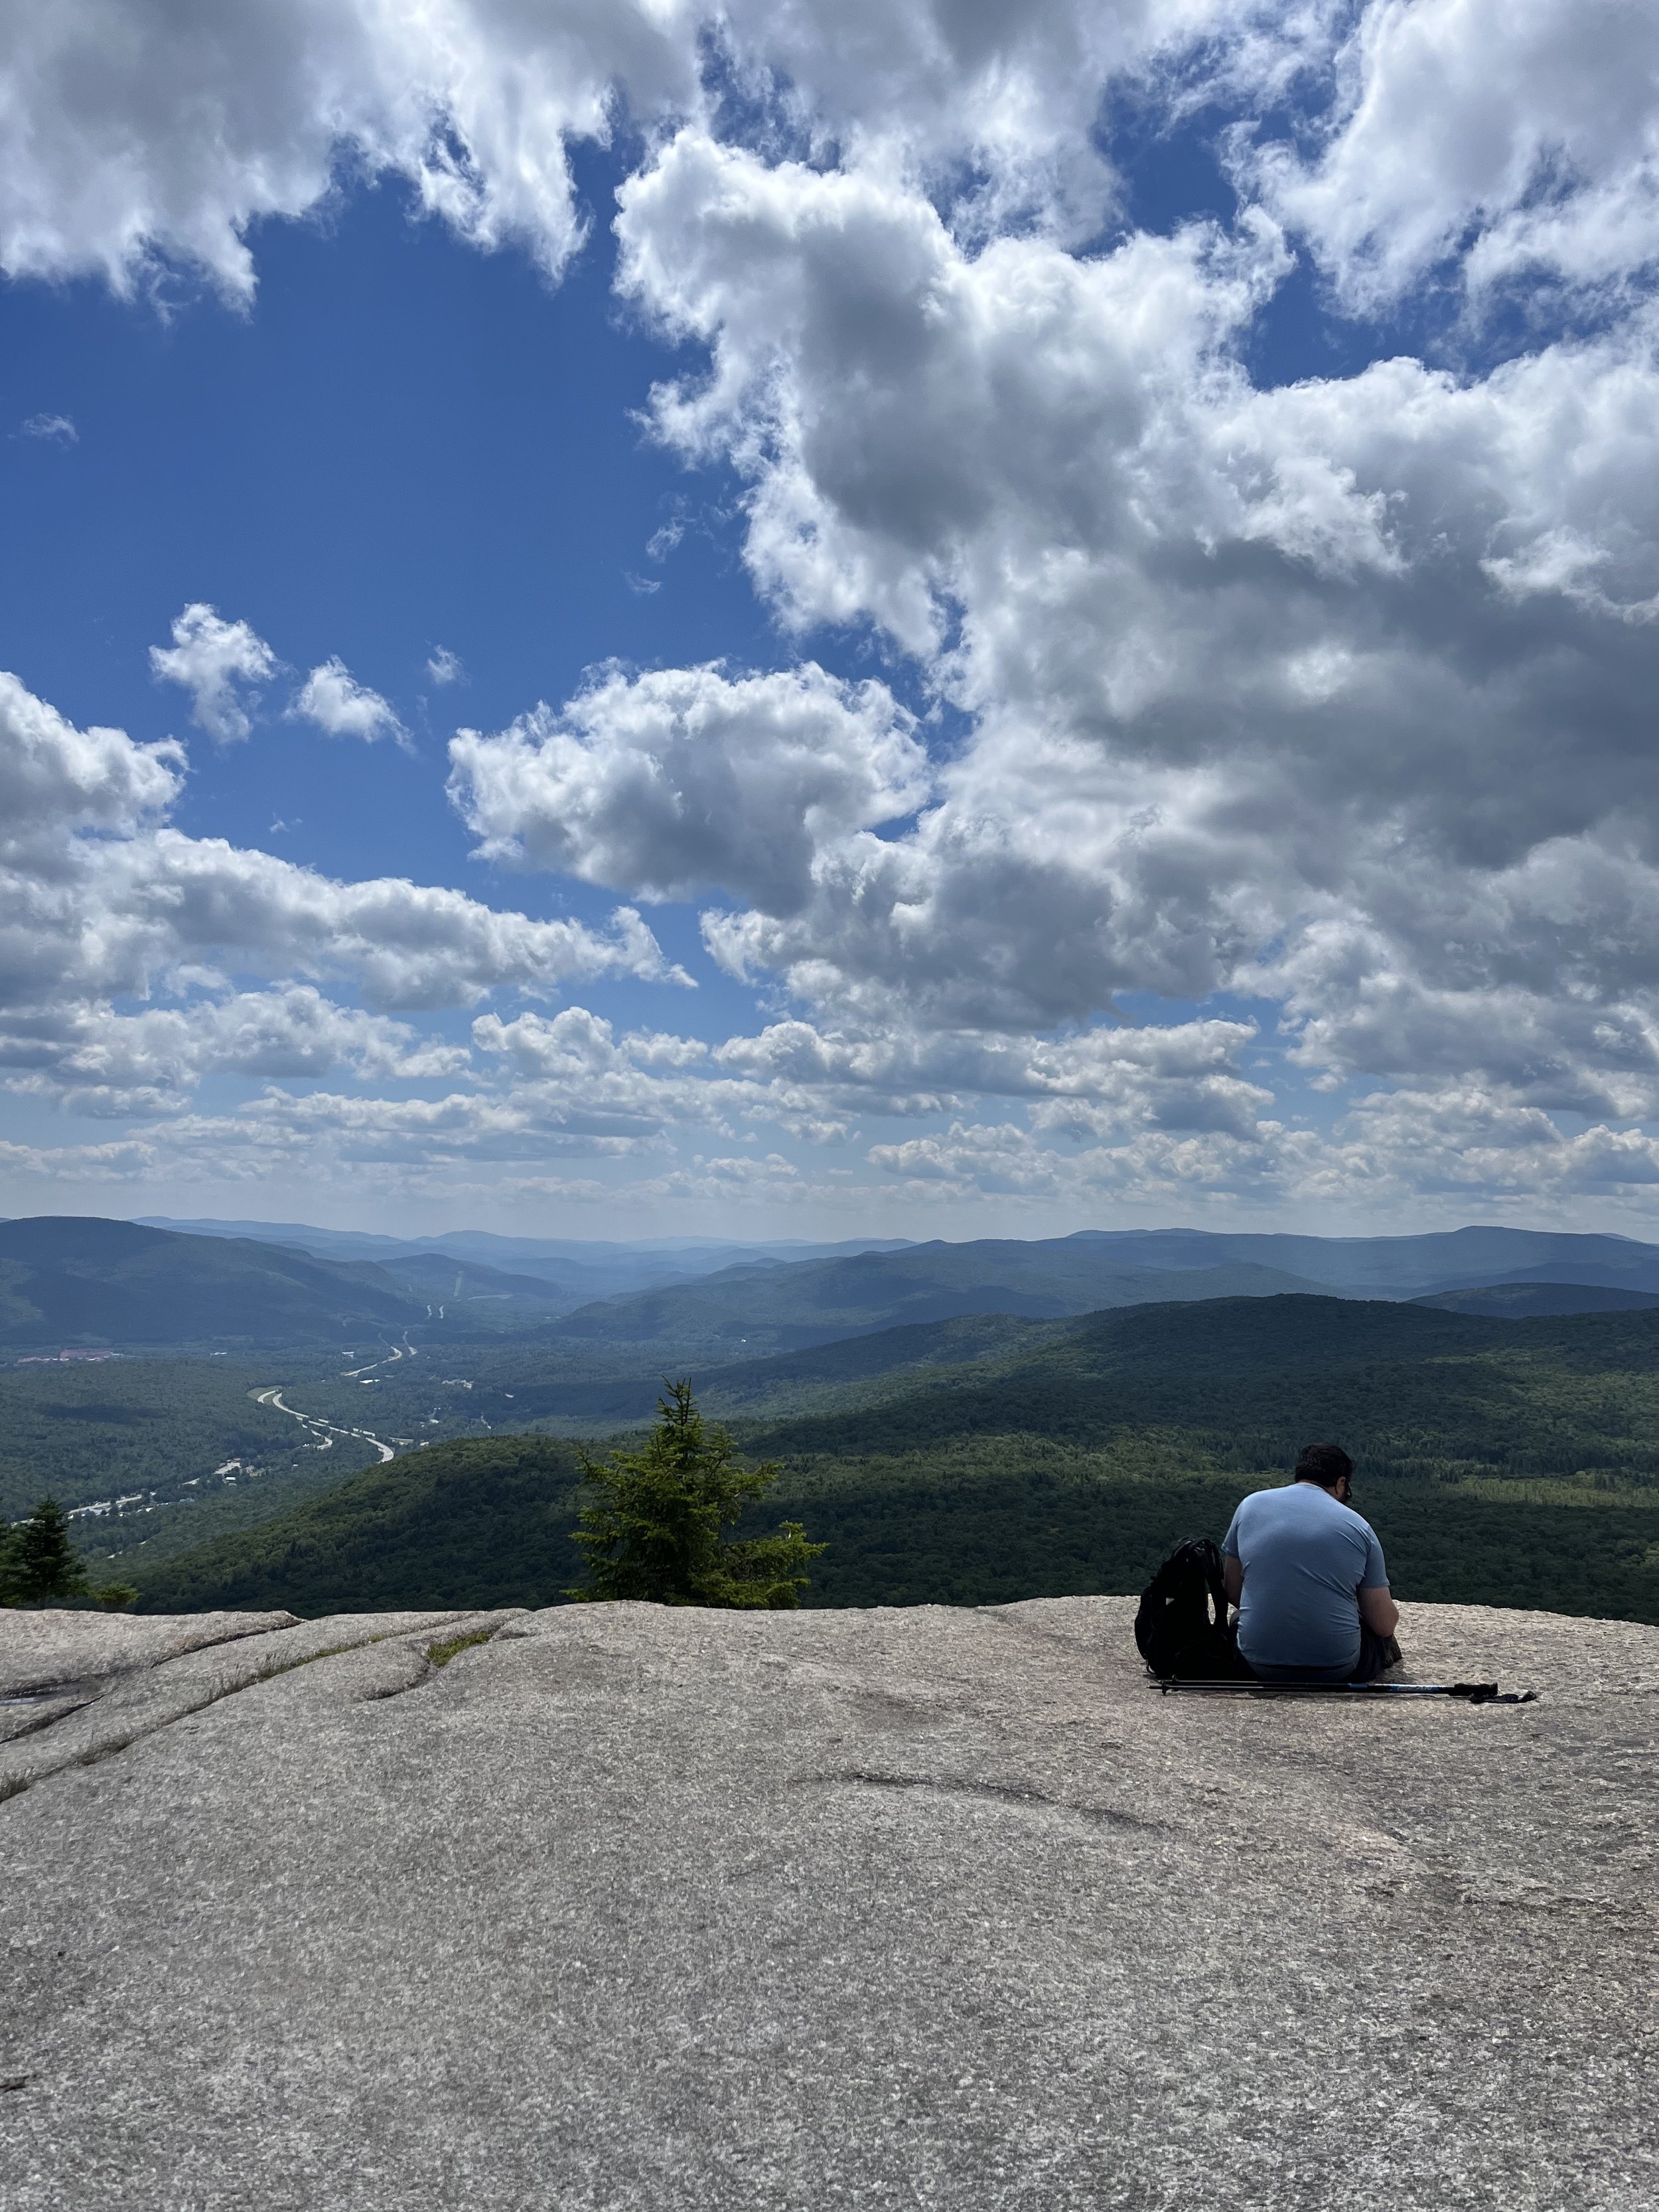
{"points": [[579, 1271], [84, 1281], [771, 1306], [74, 1281], [1402, 1266]]}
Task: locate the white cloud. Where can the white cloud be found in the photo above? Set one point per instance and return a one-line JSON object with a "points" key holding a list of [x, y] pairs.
{"points": [[1518, 137], [95, 1060], [1335, 696], [56, 781], [405, 945], [1469, 1144], [55, 429], [117, 933], [1515, 136], [133, 140], [331, 697], [124, 1160], [136, 135], [1240, 662], [665, 785], [1438, 1153], [217, 662], [444, 666]]}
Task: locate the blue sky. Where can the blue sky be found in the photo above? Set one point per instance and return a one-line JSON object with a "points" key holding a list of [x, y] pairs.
{"points": [[1055, 618], [403, 444]]}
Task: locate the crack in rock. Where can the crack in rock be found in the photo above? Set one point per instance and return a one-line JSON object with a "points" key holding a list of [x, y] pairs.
{"points": [[57, 1650], [20, 1716], [145, 1701], [995, 1792]]}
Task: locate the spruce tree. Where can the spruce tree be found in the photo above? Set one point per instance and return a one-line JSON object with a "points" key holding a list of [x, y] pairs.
{"points": [[38, 1562], [655, 1528]]}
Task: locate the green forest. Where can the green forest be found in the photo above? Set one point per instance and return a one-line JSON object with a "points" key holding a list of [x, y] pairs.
{"points": [[1502, 1463], [128, 1428]]}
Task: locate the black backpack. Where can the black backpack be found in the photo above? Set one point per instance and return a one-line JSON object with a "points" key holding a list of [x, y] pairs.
{"points": [[1182, 1627]]}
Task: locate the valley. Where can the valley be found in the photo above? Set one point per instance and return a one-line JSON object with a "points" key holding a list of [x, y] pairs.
{"points": [[1021, 1441]]}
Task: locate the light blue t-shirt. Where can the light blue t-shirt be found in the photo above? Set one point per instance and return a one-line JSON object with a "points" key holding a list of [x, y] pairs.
{"points": [[1305, 1558]]}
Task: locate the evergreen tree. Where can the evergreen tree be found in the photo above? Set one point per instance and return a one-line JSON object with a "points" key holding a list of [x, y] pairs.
{"points": [[39, 1562], [654, 1530]]}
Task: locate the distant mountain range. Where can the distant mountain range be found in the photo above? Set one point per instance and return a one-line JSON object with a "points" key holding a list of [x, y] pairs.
{"points": [[73, 1281], [577, 1272], [764, 1307], [66, 1280], [1400, 1267], [771, 1308]]}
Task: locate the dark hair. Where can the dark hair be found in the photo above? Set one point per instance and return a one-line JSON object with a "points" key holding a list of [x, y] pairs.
{"points": [[1325, 1464]]}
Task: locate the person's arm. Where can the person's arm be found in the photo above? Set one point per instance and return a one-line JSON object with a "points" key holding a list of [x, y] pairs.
{"points": [[1232, 1578], [1378, 1610]]}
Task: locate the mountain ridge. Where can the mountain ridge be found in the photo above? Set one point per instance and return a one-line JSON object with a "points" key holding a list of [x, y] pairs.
{"points": [[814, 1302], [1502, 1462], [84, 1281]]}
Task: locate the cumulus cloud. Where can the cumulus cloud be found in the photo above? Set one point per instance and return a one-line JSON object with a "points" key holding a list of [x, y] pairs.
{"points": [[120, 935], [1242, 664], [124, 1160], [93, 1059], [1517, 138], [1436, 1152], [134, 139], [331, 697], [444, 666], [57, 782], [133, 143], [55, 429], [218, 663], [1334, 695], [1513, 137], [688, 780]]}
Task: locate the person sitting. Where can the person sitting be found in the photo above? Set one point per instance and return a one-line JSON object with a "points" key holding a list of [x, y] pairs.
{"points": [[1308, 1577]]}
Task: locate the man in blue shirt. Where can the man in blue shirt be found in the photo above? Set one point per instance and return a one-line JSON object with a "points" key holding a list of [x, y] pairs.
{"points": [[1307, 1575]]}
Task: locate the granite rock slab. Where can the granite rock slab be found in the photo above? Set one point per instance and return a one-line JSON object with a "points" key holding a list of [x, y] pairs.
{"points": [[53, 1645], [93, 1719], [641, 1907]]}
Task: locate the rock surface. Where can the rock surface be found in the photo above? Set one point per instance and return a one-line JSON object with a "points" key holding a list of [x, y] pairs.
{"points": [[630, 1907], [38, 1649]]}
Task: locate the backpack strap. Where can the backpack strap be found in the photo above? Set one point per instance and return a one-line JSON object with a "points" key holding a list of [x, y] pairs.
{"points": [[1214, 1579]]}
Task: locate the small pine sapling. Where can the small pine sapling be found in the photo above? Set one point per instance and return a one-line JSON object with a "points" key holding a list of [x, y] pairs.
{"points": [[655, 1528]]}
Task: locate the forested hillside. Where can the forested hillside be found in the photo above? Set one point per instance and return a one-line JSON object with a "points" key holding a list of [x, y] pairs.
{"points": [[465, 1523], [1502, 1462], [131, 1427], [1415, 1392]]}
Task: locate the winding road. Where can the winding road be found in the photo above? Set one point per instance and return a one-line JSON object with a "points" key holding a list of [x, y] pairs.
{"points": [[323, 1432]]}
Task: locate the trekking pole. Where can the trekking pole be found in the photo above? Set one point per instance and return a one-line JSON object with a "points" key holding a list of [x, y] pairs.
{"points": [[1473, 1693]]}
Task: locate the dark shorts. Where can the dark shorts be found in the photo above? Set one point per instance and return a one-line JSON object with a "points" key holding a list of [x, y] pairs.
{"points": [[1377, 1654]]}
